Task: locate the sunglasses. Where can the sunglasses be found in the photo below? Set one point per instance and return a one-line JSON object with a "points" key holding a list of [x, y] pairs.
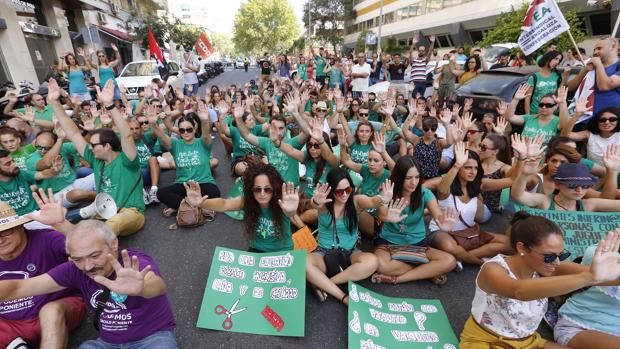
{"points": [[259, 190], [186, 130], [93, 145], [142, 123], [40, 147], [575, 186], [314, 145], [610, 120], [363, 114], [549, 258], [157, 105], [322, 110], [426, 129], [485, 148], [473, 131], [546, 105], [343, 192]]}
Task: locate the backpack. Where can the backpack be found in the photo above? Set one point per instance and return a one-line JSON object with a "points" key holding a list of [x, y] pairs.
{"points": [[535, 78], [188, 216]]}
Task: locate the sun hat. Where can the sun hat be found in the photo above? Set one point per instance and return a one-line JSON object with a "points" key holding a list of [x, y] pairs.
{"points": [[576, 174], [321, 105], [9, 219]]}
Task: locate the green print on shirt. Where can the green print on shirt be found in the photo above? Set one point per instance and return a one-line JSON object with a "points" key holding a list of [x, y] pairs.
{"points": [[144, 153]]}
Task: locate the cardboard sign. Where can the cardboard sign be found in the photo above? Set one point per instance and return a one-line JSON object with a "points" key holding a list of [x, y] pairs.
{"points": [[303, 239], [261, 293], [203, 46], [581, 229], [380, 322]]}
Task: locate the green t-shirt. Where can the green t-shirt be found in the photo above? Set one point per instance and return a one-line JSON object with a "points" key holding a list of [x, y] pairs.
{"points": [[266, 240], [411, 230], [16, 193], [21, 155], [320, 65], [192, 161], [241, 147], [344, 238], [302, 71], [144, 152], [589, 163], [286, 165], [371, 184], [532, 127], [544, 86], [310, 172], [154, 143], [46, 114], [62, 180], [359, 152], [119, 177]]}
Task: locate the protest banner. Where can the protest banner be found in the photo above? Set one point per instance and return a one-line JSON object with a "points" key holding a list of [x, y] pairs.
{"points": [[261, 293], [581, 229], [543, 22], [203, 46], [380, 322]]}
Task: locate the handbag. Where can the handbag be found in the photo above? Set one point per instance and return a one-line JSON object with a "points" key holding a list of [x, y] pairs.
{"points": [[472, 237], [336, 259], [411, 254], [189, 216]]}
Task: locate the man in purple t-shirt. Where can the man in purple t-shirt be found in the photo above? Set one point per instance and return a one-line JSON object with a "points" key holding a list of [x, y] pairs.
{"points": [[25, 254], [130, 298]]}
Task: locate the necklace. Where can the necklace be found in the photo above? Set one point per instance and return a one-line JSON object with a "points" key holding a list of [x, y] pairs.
{"points": [[557, 203]]}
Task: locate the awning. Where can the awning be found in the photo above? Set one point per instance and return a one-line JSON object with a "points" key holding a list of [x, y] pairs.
{"points": [[117, 34]]}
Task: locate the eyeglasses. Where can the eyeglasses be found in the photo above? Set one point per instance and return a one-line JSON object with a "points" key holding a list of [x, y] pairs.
{"points": [[343, 192], [322, 110], [142, 123], [40, 147], [426, 129], [610, 120], [93, 145], [363, 114], [549, 258], [314, 145], [546, 105], [186, 130], [485, 148], [575, 186], [259, 190]]}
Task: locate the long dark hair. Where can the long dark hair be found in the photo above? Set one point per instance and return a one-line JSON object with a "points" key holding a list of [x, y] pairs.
{"points": [[320, 164], [372, 131], [501, 144], [193, 119], [350, 213], [403, 165], [251, 206], [593, 124], [473, 187]]}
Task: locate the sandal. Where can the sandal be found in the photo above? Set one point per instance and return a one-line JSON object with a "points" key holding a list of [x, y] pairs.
{"points": [[208, 214], [439, 280], [169, 212], [320, 295], [377, 278]]}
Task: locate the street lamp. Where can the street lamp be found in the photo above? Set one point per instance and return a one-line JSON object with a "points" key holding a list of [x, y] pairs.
{"points": [[380, 25]]}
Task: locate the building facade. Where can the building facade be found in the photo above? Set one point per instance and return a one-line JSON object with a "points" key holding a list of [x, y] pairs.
{"points": [[34, 33], [461, 22]]}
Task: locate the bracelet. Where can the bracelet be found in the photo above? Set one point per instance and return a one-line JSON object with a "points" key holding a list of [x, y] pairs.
{"points": [[110, 107], [314, 202], [522, 159]]}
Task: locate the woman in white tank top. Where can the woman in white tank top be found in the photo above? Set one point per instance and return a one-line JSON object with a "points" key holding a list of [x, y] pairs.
{"points": [[512, 291], [603, 130]]}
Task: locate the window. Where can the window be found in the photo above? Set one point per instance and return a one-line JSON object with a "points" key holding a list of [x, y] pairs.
{"points": [[370, 23], [601, 24], [402, 42], [388, 18], [443, 41], [477, 35]]}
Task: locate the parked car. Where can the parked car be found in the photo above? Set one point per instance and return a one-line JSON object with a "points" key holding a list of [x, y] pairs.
{"points": [[493, 86], [136, 75], [239, 64]]}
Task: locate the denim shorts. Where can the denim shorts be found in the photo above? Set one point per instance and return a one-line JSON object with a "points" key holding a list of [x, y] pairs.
{"points": [[322, 251]]}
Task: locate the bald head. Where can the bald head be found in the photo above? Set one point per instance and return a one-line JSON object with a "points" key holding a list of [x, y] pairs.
{"points": [[607, 50]]}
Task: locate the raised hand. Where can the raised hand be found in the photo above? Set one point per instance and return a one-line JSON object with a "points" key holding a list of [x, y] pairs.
{"points": [[290, 198], [500, 125], [605, 264], [50, 210], [611, 158], [412, 104], [467, 121], [460, 154], [562, 93], [342, 139], [521, 92], [581, 106], [321, 192], [519, 145], [395, 209], [203, 113], [113, 47], [502, 108], [194, 197], [28, 116], [129, 279], [57, 164], [340, 104], [446, 116], [535, 147], [379, 143], [80, 51], [107, 94], [105, 117], [456, 109], [238, 110], [53, 90], [388, 107], [448, 219], [386, 191], [316, 130]]}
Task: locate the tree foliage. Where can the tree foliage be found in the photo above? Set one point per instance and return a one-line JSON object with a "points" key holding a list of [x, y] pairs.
{"points": [[327, 19], [224, 44], [159, 25], [184, 34], [508, 29], [265, 25]]}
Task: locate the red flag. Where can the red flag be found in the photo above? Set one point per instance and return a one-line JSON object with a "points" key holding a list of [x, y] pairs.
{"points": [[159, 57], [203, 46]]}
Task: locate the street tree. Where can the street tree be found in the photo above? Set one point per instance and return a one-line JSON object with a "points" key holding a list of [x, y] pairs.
{"points": [[265, 25], [184, 34], [161, 27], [223, 44], [327, 19], [508, 29]]}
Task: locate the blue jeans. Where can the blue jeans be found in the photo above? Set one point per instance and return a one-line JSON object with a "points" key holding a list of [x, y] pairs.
{"points": [[418, 87], [146, 178], [83, 172], [158, 340], [194, 89]]}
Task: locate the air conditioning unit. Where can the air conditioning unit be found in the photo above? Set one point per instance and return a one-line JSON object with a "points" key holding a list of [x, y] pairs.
{"points": [[114, 8], [102, 18]]}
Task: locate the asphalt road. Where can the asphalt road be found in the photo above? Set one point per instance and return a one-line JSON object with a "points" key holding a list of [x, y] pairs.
{"points": [[184, 258]]}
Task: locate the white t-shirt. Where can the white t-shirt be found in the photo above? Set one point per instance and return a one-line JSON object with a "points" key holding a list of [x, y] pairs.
{"points": [[360, 84], [191, 77]]}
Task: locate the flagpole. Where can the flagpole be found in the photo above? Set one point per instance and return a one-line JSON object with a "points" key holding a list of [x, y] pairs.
{"points": [[570, 35]]}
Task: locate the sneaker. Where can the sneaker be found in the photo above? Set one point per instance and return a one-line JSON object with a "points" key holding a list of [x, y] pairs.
{"points": [[459, 267], [18, 343], [153, 196], [145, 197]]}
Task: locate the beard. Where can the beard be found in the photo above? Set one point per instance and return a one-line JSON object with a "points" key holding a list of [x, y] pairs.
{"points": [[13, 173]]}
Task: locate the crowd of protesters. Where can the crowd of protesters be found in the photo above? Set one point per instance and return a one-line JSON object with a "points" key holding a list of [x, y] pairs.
{"points": [[403, 169]]}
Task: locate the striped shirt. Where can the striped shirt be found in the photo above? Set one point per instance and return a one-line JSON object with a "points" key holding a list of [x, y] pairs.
{"points": [[418, 69]]}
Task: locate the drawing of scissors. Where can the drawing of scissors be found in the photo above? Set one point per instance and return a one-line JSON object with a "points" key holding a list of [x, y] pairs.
{"points": [[219, 310]]}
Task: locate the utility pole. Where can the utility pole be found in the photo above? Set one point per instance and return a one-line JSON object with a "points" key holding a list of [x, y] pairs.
{"points": [[380, 25], [309, 27]]}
